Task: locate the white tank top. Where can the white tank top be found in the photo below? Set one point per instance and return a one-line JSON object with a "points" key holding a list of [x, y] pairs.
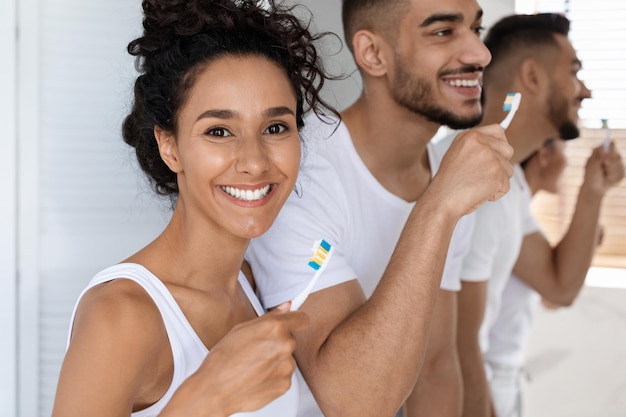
{"points": [[188, 351]]}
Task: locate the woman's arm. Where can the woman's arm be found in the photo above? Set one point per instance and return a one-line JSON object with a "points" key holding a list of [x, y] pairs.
{"points": [[118, 339]]}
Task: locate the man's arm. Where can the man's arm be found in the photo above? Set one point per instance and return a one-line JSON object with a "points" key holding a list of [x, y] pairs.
{"points": [[471, 306], [356, 347], [360, 347], [439, 389], [558, 273]]}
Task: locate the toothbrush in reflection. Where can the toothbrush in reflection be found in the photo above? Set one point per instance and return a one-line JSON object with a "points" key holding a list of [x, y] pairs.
{"points": [[607, 134]]}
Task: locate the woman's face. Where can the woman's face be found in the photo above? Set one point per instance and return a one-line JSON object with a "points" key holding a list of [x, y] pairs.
{"points": [[236, 150]]}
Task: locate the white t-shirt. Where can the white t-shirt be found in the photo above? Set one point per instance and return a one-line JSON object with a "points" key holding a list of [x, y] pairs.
{"points": [[188, 351], [338, 199], [499, 229], [510, 332]]}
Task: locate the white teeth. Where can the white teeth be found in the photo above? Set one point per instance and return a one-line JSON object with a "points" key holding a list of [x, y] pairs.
{"points": [[463, 83], [247, 195]]}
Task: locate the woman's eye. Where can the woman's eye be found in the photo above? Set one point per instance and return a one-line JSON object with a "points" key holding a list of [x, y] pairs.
{"points": [[218, 131], [276, 128]]}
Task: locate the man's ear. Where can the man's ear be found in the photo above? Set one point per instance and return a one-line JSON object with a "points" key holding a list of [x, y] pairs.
{"points": [[168, 149], [368, 52], [533, 75], [544, 154]]}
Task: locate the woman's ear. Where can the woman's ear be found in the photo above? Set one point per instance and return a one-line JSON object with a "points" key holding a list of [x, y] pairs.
{"points": [[168, 149], [368, 53]]}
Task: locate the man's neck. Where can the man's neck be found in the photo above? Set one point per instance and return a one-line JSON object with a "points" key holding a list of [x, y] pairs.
{"points": [[392, 143]]}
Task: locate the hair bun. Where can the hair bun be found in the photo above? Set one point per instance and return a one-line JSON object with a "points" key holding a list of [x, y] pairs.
{"points": [[165, 20]]}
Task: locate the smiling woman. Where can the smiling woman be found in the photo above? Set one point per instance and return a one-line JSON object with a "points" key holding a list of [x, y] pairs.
{"points": [[236, 136], [175, 329]]}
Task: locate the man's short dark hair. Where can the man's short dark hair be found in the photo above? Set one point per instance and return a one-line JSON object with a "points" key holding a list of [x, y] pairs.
{"points": [[371, 14], [516, 33]]}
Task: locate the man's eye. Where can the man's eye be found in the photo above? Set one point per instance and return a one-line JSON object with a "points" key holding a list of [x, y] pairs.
{"points": [[479, 30]]}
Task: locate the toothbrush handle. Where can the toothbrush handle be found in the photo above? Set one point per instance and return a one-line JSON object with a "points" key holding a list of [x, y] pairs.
{"points": [[607, 140], [297, 302], [299, 299], [507, 120]]}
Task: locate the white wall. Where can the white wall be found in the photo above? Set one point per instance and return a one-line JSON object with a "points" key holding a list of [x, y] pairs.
{"points": [[495, 9], [28, 152], [327, 17]]}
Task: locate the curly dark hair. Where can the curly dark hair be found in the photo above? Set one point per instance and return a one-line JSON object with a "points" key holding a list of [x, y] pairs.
{"points": [[182, 36]]}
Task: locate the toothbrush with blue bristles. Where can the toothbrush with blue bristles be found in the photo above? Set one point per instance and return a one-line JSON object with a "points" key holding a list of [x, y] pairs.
{"points": [[322, 252], [511, 104]]}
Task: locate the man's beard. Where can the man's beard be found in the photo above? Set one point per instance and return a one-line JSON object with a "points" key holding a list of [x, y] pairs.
{"points": [[559, 115], [415, 94]]}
